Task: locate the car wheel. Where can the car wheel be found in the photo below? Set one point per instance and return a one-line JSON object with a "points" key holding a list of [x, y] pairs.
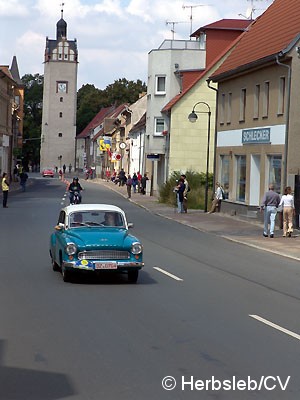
{"points": [[55, 266], [133, 276], [66, 275]]}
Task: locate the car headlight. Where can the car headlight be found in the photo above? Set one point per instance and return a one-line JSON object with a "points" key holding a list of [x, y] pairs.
{"points": [[136, 248], [71, 249]]}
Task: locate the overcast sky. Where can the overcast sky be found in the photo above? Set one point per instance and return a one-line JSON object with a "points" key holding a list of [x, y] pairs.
{"points": [[113, 36]]}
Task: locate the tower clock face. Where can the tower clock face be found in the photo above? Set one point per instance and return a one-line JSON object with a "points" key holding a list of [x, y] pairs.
{"points": [[62, 87]]}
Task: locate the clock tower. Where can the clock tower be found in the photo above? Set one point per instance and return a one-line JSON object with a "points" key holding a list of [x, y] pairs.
{"points": [[59, 100]]}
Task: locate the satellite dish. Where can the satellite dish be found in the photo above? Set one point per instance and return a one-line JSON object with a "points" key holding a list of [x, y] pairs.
{"points": [[249, 13]]}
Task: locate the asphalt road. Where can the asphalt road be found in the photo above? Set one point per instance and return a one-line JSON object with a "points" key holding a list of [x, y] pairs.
{"points": [[207, 319]]}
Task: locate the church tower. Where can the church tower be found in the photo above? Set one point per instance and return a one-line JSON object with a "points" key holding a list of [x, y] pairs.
{"points": [[59, 100]]}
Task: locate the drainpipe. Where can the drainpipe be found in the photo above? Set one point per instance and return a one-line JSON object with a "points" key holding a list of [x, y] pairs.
{"points": [[208, 81], [287, 124]]}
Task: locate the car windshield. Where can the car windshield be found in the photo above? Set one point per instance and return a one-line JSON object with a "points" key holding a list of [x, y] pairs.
{"points": [[96, 218]]}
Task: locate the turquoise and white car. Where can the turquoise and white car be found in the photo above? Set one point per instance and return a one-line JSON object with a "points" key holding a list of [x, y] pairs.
{"points": [[95, 237]]}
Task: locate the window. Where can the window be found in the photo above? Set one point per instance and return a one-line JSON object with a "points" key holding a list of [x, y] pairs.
{"points": [[229, 102], [222, 109], [240, 178], [61, 99], [281, 95], [17, 100], [60, 115], [275, 166], [225, 174], [160, 85], [60, 134], [256, 102], [242, 105], [159, 126], [266, 99]]}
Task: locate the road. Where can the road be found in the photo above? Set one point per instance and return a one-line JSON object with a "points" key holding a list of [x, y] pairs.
{"points": [[107, 339]]}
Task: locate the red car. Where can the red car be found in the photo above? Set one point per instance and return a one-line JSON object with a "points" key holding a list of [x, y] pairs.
{"points": [[48, 172]]}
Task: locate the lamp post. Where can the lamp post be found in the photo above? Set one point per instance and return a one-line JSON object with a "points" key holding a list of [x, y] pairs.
{"points": [[193, 118]]}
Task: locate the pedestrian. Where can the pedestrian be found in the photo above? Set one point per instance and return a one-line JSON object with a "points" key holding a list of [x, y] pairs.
{"points": [[122, 177], [287, 202], [56, 168], [60, 174], [144, 183], [70, 168], [269, 204], [128, 186], [107, 173], [139, 177], [134, 182], [185, 193], [218, 197], [64, 168], [179, 192], [15, 172], [5, 189], [23, 180]]}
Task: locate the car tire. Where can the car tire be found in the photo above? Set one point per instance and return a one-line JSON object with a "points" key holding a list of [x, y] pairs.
{"points": [[66, 275], [133, 276], [55, 266]]}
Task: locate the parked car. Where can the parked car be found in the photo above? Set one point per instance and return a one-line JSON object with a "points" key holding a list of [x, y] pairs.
{"points": [[95, 238], [48, 172]]}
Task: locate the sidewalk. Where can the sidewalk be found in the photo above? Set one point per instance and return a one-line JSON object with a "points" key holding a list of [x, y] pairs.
{"points": [[243, 231]]}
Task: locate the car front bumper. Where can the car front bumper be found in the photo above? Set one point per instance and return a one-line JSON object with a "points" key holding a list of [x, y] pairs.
{"points": [[92, 265]]}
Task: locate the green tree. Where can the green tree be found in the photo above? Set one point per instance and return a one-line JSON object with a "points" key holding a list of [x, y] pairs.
{"points": [[33, 104]]}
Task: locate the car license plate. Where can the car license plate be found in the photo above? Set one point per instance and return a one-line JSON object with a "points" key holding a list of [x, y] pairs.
{"points": [[106, 265]]}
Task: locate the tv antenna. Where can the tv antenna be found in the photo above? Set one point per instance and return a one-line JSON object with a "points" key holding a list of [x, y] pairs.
{"points": [[191, 15], [173, 23], [251, 11]]}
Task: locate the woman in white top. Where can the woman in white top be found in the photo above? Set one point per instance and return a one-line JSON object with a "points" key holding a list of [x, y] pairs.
{"points": [[287, 202]]}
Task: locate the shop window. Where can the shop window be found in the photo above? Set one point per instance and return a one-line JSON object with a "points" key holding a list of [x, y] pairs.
{"points": [[266, 100], [275, 169], [256, 102], [242, 105], [281, 95], [240, 178], [225, 174]]}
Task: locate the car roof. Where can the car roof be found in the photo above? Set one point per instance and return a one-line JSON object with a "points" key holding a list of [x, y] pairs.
{"points": [[92, 207]]}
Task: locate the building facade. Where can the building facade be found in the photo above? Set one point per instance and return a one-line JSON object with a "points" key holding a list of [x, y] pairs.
{"points": [[59, 100]]}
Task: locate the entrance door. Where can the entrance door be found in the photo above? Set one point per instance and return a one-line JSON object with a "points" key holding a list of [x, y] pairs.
{"points": [[254, 180]]}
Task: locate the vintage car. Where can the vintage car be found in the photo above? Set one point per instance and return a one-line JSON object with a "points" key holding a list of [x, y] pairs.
{"points": [[95, 237], [48, 172]]}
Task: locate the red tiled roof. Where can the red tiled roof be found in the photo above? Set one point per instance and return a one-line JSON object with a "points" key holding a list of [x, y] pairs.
{"points": [[112, 115], [225, 24], [271, 33], [95, 122]]}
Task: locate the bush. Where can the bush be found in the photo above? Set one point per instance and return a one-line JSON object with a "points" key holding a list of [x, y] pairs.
{"points": [[196, 197]]}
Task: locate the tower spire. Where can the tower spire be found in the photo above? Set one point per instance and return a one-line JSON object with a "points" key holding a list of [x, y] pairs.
{"points": [[62, 10]]}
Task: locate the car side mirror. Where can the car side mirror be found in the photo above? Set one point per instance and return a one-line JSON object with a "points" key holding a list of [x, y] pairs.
{"points": [[130, 225], [60, 226]]}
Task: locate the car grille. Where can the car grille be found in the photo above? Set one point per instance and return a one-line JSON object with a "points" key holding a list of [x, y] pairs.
{"points": [[104, 255]]}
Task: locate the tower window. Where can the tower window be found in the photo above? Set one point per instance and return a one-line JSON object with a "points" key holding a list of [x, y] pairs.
{"points": [[61, 99], [60, 134], [60, 115]]}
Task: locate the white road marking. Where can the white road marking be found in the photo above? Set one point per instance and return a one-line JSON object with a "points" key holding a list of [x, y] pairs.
{"points": [[168, 274], [275, 326]]}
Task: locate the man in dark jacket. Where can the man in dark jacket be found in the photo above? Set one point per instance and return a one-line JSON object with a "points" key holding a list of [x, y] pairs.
{"points": [[75, 187]]}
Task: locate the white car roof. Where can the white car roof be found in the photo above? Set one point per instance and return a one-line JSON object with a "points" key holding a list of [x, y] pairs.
{"points": [[92, 207]]}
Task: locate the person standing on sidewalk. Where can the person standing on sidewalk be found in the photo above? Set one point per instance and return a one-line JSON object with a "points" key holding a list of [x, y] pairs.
{"points": [[128, 186], [269, 204], [5, 189], [23, 180], [218, 197], [287, 202], [185, 193], [179, 191]]}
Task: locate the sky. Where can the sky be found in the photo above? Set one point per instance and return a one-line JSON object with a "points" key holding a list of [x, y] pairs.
{"points": [[114, 37]]}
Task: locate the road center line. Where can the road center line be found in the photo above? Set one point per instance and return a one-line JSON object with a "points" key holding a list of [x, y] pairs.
{"points": [[168, 274], [275, 326]]}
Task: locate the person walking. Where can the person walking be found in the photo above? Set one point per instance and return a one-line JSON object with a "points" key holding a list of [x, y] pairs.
{"points": [[218, 197], [23, 180], [269, 205], [64, 168], [134, 182], [287, 202], [144, 183], [185, 193], [128, 186], [5, 189], [70, 168]]}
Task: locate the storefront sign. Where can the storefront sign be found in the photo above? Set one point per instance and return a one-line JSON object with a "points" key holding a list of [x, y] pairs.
{"points": [[261, 135]]}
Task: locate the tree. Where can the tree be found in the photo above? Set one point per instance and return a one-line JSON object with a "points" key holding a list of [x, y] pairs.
{"points": [[33, 104]]}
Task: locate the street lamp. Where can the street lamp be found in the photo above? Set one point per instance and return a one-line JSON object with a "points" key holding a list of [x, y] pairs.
{"points": [[193, 118]]}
